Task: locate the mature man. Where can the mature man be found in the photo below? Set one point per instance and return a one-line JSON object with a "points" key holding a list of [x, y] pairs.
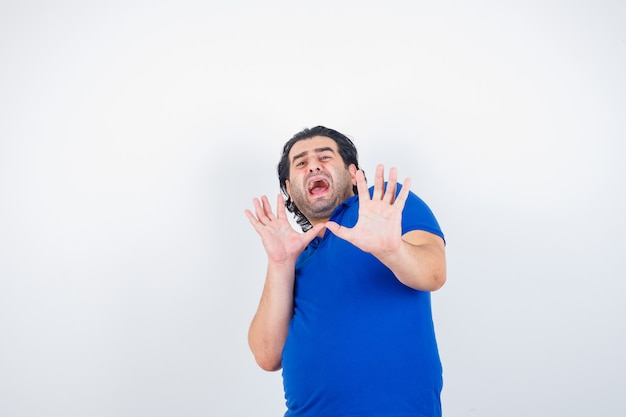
{"points": [[345, 309]]}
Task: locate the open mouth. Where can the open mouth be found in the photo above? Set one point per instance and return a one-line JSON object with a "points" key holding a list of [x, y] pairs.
{"points": [[318, 186]]}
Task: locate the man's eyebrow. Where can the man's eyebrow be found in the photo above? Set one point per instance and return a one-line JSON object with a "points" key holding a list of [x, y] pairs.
{"points": [[316, 150]]}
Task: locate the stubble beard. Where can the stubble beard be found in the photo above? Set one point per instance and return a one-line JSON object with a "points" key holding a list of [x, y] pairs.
{"points": [[321, 209]]}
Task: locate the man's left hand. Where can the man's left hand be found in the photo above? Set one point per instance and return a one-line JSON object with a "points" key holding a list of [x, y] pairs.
{"points": [[379, 227]]}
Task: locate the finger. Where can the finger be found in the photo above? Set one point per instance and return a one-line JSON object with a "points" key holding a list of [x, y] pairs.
{"points": [[281, 211], [390, 192], [404, 193], [251, 217], [253, 220], [259, 211], [379, 182], [342, 232], [361, 185], [310, 234], [267, 208]]}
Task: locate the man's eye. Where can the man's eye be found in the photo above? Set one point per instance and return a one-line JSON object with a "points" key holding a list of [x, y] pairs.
{"points": [[299, 164], [325, 157]]}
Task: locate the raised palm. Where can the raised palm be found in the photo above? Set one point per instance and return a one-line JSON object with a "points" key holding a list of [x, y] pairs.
{"points": [[379, 227], [282, 243]]}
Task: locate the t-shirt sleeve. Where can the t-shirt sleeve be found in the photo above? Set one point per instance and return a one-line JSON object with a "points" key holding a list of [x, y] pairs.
{"points": [[418, 216]]}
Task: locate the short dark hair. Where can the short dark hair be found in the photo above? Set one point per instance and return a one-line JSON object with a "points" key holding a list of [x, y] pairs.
{"points": [[348, 153]]}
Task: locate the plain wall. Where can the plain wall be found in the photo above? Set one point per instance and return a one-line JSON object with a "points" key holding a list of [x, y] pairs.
{"points": [[134, 134]]}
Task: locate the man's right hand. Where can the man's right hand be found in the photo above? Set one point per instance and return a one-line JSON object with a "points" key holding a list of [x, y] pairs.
{"points": [[282, 243], [269, 327]]}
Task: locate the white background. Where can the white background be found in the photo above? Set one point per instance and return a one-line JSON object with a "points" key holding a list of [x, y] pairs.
{"points": [[134, 134]]}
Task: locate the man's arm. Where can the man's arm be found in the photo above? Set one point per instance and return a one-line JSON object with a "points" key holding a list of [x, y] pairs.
{"points": [[419, 262], [268, 330], [283, 245], [417, 258]]}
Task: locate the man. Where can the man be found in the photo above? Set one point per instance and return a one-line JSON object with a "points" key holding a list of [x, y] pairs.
{"points": [[345, 309]]}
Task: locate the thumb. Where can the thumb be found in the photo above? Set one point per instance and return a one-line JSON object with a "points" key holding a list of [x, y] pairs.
{"points": [[339, 231], [310, 234]]}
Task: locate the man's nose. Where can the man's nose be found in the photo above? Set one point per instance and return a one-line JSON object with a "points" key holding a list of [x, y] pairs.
{"points": [[314, 165]]}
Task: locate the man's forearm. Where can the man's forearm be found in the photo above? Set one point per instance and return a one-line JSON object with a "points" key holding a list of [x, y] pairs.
{"points": [[420, 265], [269, 327]]}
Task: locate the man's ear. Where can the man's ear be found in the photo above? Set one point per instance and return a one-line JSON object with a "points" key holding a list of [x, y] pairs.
{"points": [[288, 188], [352, 170]]}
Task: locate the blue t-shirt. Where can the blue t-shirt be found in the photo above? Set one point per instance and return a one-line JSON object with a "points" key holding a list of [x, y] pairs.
{"points": [[360, 342]]}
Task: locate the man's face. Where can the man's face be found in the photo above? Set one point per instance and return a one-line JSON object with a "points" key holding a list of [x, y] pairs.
{"points": [[318, 178]]}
